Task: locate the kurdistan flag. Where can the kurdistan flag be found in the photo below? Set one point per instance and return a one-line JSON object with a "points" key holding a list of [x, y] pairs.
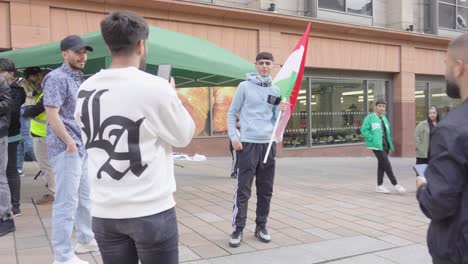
{"points": [[289, 80]]}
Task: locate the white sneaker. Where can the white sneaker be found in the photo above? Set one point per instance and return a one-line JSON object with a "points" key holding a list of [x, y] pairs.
{"points": [[399, 188], [382, 189], [74, 260], [86, 248], [235, 239]]}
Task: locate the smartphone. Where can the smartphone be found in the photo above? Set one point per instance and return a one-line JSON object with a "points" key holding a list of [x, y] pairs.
{"points": [[164, 71], [420, 169]]}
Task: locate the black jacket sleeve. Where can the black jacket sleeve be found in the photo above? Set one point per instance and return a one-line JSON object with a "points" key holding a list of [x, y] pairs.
{"points": [[31, 111], [6, 102], [445, 174], [19, 97]]}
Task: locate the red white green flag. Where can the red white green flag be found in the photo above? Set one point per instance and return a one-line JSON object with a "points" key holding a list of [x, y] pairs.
{"points": [[289, 80]]}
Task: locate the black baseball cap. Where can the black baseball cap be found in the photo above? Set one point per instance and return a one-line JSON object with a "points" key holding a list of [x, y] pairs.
{"points": [[31, 71], [74, 42], [381, 101]]}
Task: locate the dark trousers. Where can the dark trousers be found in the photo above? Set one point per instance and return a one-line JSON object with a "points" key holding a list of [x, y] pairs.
{"points": [[422, 160], [14, 181], [384, 166], [441, 261], [151, 239], [251, 165], [235, 160]]}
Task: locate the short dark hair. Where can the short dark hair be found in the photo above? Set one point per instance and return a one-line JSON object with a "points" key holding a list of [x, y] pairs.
{"points": [[30, 71], [264, 56], [7, 65], [122, 30], [381, 101]]}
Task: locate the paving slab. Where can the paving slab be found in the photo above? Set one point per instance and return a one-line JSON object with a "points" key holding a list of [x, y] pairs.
{"points": [[324, 210], [364, 259], [413, 254]]}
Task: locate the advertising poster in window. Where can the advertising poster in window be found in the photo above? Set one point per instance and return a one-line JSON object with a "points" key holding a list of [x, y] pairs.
{"points": [[222, 98], [196, 101]]}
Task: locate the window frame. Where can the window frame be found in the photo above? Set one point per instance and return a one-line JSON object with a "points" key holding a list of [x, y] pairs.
{"points": [[346, 10], [430, 87], [388, 95], [457, 6]]}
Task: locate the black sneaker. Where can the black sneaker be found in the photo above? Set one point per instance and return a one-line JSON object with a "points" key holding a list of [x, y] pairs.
{"points": [[263, 234], [16, 212], [7, 226], [235, 239]]}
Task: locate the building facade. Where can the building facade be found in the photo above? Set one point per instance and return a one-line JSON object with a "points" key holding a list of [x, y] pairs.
{"points": [[359, 51]]}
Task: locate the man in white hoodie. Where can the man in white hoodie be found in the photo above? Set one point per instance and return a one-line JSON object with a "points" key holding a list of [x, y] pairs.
{"points": [[130, 120]]}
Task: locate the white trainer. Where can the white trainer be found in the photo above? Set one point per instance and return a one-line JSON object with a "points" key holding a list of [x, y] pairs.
{"points": [[382, 189], [74, 260], [399, 188], [86, 248]]}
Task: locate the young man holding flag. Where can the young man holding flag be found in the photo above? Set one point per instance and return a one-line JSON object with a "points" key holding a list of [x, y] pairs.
{"points": [[258, 102]]}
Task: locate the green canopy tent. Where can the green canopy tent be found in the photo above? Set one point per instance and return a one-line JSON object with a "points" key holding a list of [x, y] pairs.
{"points": [[195, 62]]}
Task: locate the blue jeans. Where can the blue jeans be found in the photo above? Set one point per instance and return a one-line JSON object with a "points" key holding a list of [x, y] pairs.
{"points": [[72, 204], [151, 239], [25, 146], [5, 198]]}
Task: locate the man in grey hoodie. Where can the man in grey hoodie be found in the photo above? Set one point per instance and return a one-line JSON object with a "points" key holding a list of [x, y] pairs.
{"points": [[258, 102]]}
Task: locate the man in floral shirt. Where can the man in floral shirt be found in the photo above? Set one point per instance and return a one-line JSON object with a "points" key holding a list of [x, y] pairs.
{"points": [[67, 156]]}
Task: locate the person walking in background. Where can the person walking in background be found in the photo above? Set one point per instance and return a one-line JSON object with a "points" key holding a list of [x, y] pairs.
{"points": [[422, 135], [25, 146], [234, 154], [376, 132], [72, 206], [7, 70], [7, 224]]}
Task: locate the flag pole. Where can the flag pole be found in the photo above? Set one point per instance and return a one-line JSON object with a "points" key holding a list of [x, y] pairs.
{"points": [[293, 70], [273, 134]]}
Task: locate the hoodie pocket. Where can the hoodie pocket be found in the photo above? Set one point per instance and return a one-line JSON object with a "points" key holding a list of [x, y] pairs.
{"points": [[259, 129]]}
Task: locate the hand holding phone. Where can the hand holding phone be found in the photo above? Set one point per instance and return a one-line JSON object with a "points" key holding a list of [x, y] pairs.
{"points": [[420, 169], [164, 71]]}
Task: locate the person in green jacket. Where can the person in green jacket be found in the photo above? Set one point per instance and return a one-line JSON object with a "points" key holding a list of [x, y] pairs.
{"points": [[422, 135], [376, 132]]}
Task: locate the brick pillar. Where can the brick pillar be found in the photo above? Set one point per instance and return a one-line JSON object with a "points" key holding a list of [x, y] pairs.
{"points": [[404, 85]]}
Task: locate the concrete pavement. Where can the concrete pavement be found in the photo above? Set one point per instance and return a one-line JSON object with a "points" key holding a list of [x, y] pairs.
{"points": [[324, 210]]}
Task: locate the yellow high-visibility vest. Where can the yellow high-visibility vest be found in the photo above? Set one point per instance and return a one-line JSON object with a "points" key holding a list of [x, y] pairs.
{"points": [[38, 123]]}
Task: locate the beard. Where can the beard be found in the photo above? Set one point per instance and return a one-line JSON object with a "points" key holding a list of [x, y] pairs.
{"points": [[453, 90], [76, 66]]}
